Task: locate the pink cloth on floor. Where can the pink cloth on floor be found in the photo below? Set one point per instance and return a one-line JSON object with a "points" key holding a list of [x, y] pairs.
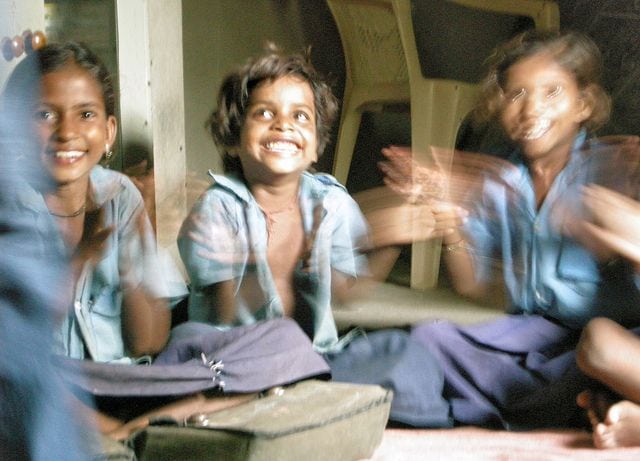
{"points": [[475, 444]]}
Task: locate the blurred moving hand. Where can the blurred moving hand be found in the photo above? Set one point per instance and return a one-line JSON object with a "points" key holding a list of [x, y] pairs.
{"points": [[613, 221], [449, 176], [397, 220]]}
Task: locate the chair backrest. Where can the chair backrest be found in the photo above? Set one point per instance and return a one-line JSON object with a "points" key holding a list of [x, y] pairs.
{"points": [[446, 43], [453, 40], [371, 41], [445, 55], [545, 13]]}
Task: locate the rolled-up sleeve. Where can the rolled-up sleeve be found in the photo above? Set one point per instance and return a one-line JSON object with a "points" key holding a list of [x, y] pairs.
{"points": [[350, 239]]}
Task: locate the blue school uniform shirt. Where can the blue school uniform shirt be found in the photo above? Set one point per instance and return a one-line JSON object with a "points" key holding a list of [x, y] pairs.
{"points": [[545, 272], [238, 245], [93, 327]]}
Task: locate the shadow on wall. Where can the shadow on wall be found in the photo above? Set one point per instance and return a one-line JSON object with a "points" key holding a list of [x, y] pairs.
{"points": [[321, 33]]}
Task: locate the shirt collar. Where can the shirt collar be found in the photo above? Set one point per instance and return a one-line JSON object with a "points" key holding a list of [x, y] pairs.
{"points": [[517, 158], [103, 185], [309, 186]]}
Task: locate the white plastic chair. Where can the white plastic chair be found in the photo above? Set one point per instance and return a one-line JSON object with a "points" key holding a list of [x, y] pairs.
{"points": [[383, 65], [439, 104], [376, 69]]}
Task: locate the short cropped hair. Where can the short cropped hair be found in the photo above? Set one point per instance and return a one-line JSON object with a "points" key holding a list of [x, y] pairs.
{"points": [[226, 121], [573, 51]]}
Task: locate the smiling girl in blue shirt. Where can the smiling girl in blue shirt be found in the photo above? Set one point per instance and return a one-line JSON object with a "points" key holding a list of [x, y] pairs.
{"points": [[519, 371], [113, 342]]}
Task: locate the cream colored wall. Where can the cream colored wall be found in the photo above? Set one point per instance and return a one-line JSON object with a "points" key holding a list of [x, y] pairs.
{"points": [[151, 101], [218, 35], [15, 17]]}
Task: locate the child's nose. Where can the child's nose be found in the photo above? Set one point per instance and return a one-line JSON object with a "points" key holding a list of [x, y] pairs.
{"points": [[283, 122], [66, 127], [534, 104]]}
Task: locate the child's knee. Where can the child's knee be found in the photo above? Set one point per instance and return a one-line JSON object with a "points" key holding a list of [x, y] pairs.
{"points": [[595, 346]]}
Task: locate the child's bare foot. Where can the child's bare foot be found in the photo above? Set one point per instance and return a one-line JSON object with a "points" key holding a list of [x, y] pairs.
{"points": [[620, 428], [596, 404]]}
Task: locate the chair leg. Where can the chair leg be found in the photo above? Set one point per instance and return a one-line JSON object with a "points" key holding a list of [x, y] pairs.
{"points": [[347, 136], [434, 122], [425, 264]]}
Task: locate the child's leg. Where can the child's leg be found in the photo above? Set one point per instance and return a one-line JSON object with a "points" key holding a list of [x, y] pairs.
{"points": [[610, 354]]}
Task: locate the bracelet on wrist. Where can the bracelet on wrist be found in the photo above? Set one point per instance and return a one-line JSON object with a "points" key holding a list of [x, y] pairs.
{"points": [[457, 246]]}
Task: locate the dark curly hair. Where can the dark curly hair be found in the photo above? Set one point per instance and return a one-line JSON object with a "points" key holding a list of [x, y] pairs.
{"points": [[574, 51], [226, 121]]}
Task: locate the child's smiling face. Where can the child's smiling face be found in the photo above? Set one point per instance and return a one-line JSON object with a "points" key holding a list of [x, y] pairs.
{"points": [[543, 108], [72, 123], [278, 137]]}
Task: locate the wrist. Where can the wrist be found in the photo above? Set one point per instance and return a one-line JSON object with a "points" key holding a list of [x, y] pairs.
{"points": [[458, 245], [452, 239]]}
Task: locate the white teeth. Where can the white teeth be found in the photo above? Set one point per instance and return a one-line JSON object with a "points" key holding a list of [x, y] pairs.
{"points": [[282, 147], [69, 154], [538, 129]]}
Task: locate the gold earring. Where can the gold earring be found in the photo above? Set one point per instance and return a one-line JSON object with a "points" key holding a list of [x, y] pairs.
{"points": [[108, 152]]}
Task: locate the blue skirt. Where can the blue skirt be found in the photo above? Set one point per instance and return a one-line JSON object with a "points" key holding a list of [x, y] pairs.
{"points": [[391, 359], [517, 372], [200, 358]]}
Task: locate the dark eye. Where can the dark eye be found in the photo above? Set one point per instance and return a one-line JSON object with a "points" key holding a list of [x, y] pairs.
{"points": [[44, 116], [302, 116], [554, 91], [87, 114], [263, 113], [515, 95]]}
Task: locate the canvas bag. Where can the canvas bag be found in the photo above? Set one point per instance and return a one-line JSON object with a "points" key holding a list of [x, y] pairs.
{"points": [[311, 420]]}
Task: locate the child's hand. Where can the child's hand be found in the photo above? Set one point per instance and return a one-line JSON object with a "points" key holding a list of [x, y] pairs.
{"points": [[608, 225], [451, 175], [615, 221], [138, 243], [407, 177], [94, 239], [393, 220]]}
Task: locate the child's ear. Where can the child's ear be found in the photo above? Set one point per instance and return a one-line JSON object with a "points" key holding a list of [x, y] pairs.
{"points": [[112, 129], [586, 104]]}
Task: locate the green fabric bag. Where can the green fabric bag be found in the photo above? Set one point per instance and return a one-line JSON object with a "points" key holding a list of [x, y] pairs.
{"points": [[310, 420]]}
